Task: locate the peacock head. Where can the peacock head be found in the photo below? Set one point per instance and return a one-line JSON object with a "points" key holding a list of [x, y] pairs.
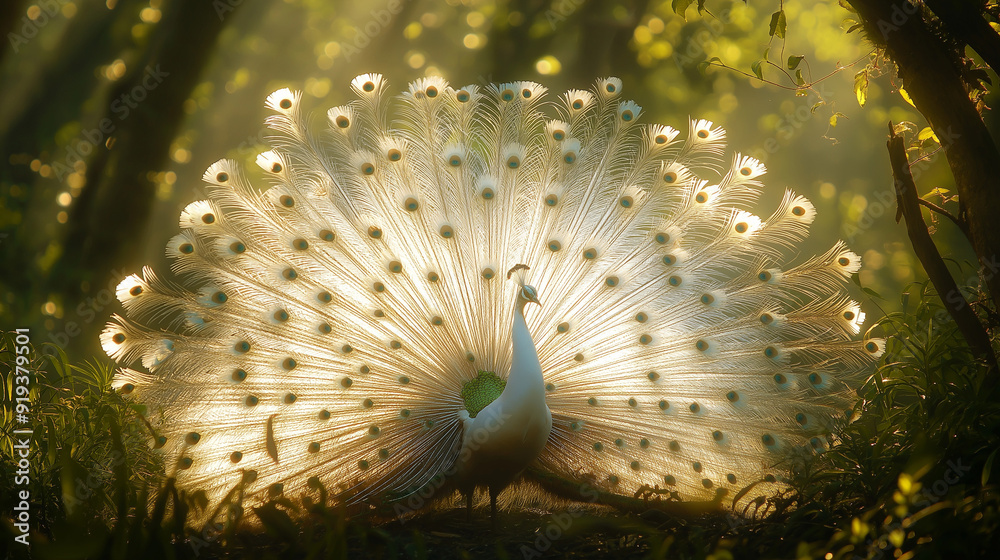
{"points": [[527, 293]]}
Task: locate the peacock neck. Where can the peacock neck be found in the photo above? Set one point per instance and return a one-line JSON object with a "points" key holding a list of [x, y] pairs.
{"points": [[525, 384]]}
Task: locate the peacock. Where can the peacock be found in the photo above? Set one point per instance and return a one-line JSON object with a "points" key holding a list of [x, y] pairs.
{"points": [[453, 287]]}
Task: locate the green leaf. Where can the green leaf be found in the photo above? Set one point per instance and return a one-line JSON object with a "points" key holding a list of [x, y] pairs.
{"points": [[872, 293], [778, 24], [703, 65], [926, 133], [861, 87], [988, 467], [680, 6], [799, 79], [794, 60], [834, 117], [757, 70]]}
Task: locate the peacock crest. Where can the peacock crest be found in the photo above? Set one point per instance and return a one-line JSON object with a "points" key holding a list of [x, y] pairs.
{"points": [[351, 323]]}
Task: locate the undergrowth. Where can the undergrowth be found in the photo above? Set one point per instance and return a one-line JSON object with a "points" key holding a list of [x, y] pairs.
{"points": [[911, 477]]}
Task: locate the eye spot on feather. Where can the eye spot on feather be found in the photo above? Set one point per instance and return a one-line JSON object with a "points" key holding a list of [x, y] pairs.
{"points": [[701, 197], [346, 349], [669, 177], [395, 344], [462, 96], [766, 318], [554, 245], [577, 104], [346, 382], [645, 339], [289, 274], [327, 235], [771, 352], [664, 405], [669, 260], [745, 171], [367, 168], [324, 414], [403, 380], [560, 328], [764, 276], [374, 232], [558, 134], [598, 446], [732, 396], [696, 466], [641, 317], [801, 418], [707, 299], [343, 122], [507, 95], [447, 232], [627, 115], [288, 364], [237, 247], [222, 177], [780, 379], [286, 201], [276, 167], [513, 162], [488, 273], [313, 447], [871, 346], [611, 281], [578, 357], [433, 276], [192, 438], [431, 91], [670, 480], [610, 88], [395, 267], [661, 237], [394, 155], [235, 457], [590, 253], [703, 133], [674, 446], [324, 297], [185, 463], [674, 281], [526, 93], [383, 454], [126, 389], [242, 347], [741, 227], [815, 379], [798, 211], [653, 376], [592, 401], [701, 345], [404, 413], [634, 465], [549, 387], [437, 321], [455, 160], [717, 435], [285, 104], [118, 338], [626, 201], [281, 315], [632, 402], [768, 440], [695, 407], [186, 248], [251, 400], [569, 156], [369, 86], [551, 200], [849, 315], [219, 297], [843, 261], [289, 398], [362, 465]]}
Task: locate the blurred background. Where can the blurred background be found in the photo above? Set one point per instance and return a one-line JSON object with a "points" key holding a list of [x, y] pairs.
{"points": [[113, 109]]}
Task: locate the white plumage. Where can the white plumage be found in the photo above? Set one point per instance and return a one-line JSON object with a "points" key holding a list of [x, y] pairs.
{"points": [[353, 322]]}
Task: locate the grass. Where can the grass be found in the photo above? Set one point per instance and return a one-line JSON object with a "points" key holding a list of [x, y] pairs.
{"points": [[912, 477]]}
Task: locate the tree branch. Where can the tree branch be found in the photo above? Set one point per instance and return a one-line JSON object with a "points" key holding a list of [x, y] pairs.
{"points": [[906, 196]]}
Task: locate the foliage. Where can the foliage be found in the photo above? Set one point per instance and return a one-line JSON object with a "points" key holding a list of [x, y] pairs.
{"points": [[913, 472]]}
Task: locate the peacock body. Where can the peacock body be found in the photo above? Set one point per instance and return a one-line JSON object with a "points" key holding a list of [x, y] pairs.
{"points": [[353, 325]]}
